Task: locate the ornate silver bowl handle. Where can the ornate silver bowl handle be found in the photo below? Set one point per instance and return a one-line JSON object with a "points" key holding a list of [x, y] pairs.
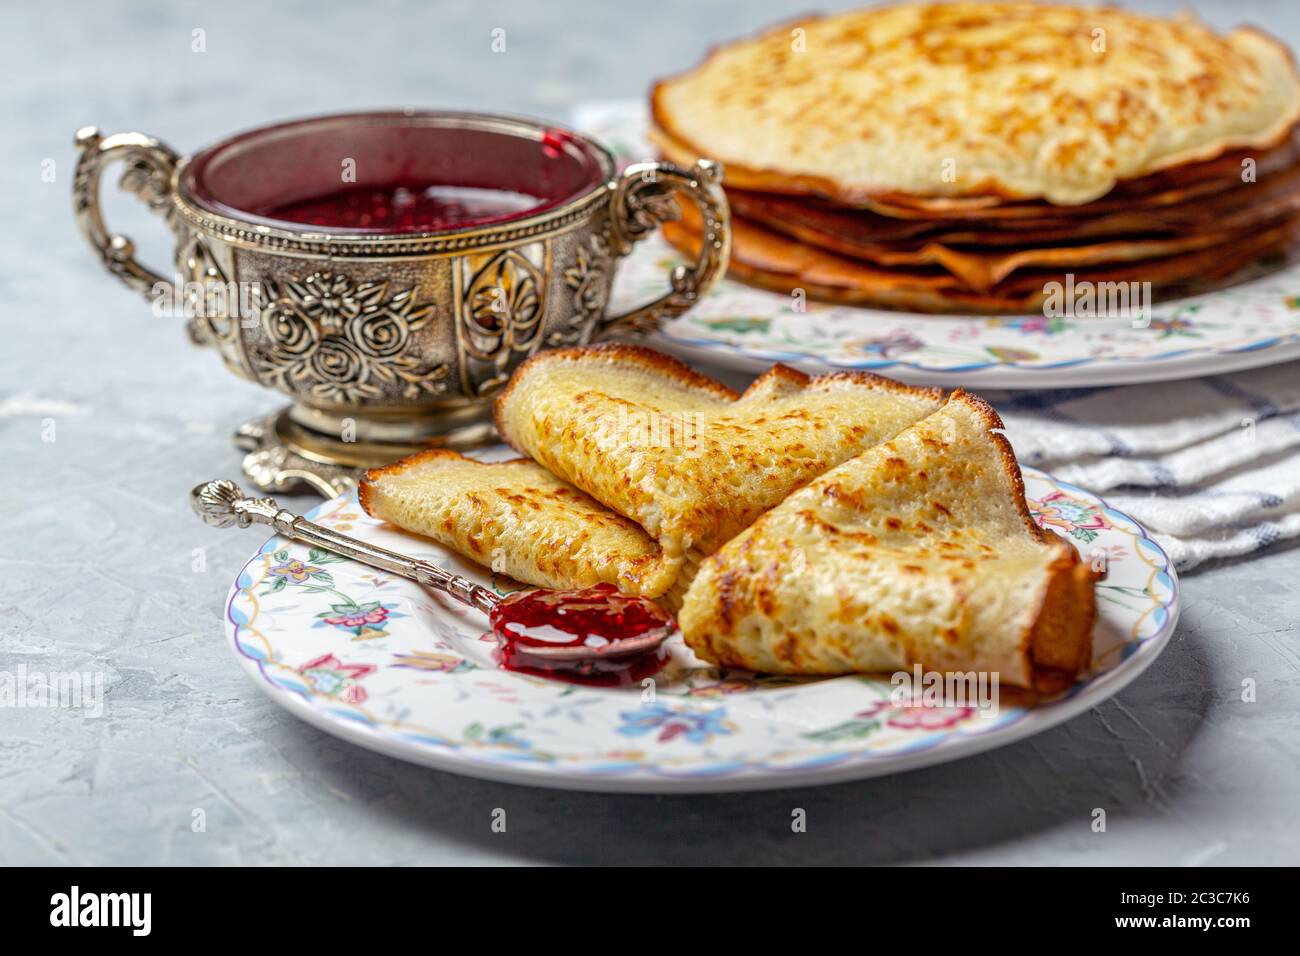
{"points": [[222, 504], [643, 199], [149, 167]]}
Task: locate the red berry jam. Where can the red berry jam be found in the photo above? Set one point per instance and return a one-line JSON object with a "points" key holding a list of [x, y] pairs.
{"points": [[597, 617], [405, 207]]}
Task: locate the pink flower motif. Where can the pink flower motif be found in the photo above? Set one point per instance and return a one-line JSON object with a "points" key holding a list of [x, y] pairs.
{"points": [[332, 678], [916, 716], [1061, 511], [923, 717], [377, 616], [1035, 324]]}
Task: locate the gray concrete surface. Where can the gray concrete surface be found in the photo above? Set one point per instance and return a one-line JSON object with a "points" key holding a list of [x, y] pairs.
{"points": [[96, 571]]}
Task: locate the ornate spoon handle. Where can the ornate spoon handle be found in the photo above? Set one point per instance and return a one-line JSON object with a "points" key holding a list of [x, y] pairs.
{"points": [[222, 504]]}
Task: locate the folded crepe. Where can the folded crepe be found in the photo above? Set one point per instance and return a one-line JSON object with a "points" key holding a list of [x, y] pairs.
{"points": [[668, 465], [682, 456], [918, 551], [518, 519]]}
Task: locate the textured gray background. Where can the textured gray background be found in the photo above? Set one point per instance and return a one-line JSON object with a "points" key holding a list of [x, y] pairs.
{"points": [[95, 572]]}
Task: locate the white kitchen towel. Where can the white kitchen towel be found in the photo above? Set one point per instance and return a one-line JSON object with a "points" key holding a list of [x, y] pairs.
{"points": [[1211, 466]]}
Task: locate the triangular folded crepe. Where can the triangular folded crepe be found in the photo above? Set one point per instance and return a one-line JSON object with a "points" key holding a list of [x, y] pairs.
{"points": [[919, 551], [518, 519], [681, 455]]}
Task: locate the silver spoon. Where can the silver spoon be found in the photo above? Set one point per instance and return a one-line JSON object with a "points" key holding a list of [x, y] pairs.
{"points": [[222, 504]]}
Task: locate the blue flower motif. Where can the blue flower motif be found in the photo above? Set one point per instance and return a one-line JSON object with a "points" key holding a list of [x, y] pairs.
{"points": [[693, 726]]}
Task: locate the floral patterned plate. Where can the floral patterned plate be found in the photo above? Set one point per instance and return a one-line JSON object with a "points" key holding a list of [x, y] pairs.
{"points": [[385, 664], [1246, 325]]}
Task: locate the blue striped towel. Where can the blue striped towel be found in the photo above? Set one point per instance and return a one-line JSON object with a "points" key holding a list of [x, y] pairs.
{"points": [[1211, 466]]}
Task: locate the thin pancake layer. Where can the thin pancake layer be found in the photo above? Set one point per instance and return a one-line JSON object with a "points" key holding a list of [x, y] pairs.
{"points": [[774, 262], [979, 101], [1162, 189], [920, 550], [683, 456], [1272, 194]]}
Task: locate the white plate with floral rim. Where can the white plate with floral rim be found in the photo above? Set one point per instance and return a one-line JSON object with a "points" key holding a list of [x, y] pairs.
{"points": [[390, 666], [1245, 325]]}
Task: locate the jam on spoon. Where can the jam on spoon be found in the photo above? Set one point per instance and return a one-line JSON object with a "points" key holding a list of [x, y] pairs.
{"points": [[593, 636]]}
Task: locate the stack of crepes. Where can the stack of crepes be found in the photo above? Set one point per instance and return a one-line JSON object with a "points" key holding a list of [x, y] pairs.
{"points": [[961, 157], [812, 525]]}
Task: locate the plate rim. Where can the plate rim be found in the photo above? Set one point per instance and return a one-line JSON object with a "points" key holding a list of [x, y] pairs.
{"points": [[855, 766], [1082, 372]]}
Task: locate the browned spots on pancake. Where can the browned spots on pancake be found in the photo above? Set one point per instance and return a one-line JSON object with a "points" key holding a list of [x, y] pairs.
{"points": [[786, 647], [727, 596], [889, 624]]}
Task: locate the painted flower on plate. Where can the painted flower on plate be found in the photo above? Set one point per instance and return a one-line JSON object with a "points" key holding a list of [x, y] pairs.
{"points": [[433, 661], [295, 570], [1035, 325], [915, 716], [330, 677], [363, 621], [1076, 518], [671, 723], [1176, 326], [895, 342]]}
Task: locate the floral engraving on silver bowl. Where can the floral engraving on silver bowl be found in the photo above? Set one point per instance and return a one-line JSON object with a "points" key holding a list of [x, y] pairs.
{"points": [[334, 339]]}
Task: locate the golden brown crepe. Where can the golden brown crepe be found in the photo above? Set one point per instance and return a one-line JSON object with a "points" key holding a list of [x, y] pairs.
{"points": [[918, 551], [681, 455], [680, 462], [958, 107], [516, 518]]}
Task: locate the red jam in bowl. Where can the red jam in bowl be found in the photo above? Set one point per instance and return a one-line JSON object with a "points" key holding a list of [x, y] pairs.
{"points": [[596, 617], [406, 207]]}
